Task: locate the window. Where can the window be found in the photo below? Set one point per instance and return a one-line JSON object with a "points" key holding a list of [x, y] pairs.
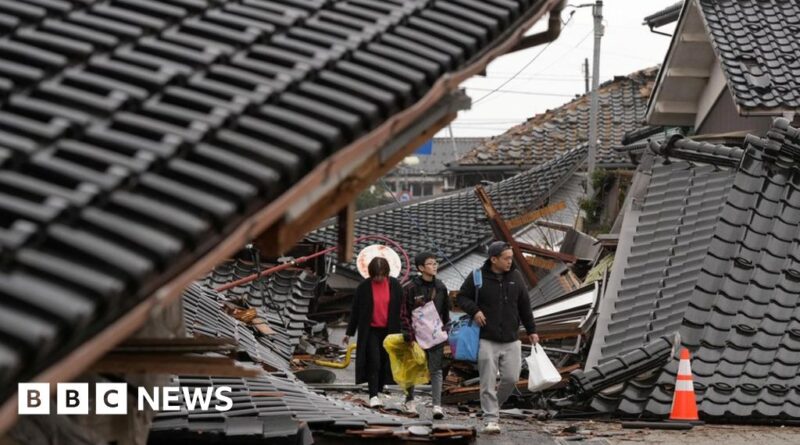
{"points": [[427, 189]]}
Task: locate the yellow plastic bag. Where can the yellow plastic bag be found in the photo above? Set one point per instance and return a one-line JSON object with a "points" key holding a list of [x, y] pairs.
{"points": [[409, 366]]}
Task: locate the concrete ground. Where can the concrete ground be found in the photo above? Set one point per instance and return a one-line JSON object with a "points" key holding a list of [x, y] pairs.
{"points": [[560, 432]]}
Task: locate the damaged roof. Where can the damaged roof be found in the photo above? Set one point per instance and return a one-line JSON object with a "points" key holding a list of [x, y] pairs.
{"points": [[734, 305], [273, 406], [457, 223], [756, 43], [623, 102], [288, 295], [137, 136], [742, 322]]}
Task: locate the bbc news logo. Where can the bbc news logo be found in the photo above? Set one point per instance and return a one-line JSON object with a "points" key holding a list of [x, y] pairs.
{"points": [[112, 398]]}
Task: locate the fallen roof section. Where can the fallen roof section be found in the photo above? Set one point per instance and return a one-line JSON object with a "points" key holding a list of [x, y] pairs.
{"points": [[735, 305], [138, 155], [288, 295], [742, 322], [280, 406], [657, 264]]}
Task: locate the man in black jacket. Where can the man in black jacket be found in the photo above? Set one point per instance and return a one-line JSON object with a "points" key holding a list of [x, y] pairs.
{"points": [[501, 304]]}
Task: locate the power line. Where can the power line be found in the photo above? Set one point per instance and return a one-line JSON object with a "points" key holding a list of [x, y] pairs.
{"points": [[530, 93], [523, 68]]}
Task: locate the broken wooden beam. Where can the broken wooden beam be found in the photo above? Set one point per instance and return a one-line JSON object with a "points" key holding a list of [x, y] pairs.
{"points": [[565, 257], [541, 263], [554, 226], [501, 230], [530, 217]]}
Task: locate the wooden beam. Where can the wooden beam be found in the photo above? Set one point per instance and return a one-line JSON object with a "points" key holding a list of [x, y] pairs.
{"points": [[565, 257], [540, 263], [502, 231], [284, 233], [530, 217], [346, 229], [196, 365], [554, 226]]}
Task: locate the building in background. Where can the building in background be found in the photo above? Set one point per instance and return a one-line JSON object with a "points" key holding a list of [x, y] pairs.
{"points": [[422, 174]]}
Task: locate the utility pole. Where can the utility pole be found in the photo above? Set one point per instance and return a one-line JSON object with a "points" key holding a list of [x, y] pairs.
{"points": [[597, 13], [586, 73]]}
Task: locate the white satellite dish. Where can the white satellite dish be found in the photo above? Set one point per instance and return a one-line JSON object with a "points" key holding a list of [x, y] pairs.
{"points": [[368, 253]]}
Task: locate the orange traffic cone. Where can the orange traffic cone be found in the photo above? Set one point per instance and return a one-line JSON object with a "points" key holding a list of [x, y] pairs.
{"points": [[684, 404]]}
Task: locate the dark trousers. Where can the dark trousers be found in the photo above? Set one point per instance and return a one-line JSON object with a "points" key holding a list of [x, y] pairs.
{"points": [[377, 361]]}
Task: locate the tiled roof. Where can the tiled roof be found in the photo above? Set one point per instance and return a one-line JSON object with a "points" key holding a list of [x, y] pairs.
{"points": [[288, 295], [136, 135], [550, 287], [736, 311], [756, 43], [679, 213], [742, 322], [274, 406], [457, 222], [623, 102]]}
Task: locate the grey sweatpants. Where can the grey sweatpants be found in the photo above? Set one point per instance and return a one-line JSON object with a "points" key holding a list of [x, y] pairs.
{"points": [[435, 357], [494, 356]]}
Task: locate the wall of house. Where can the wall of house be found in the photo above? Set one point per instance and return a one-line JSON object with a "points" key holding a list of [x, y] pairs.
{"points": [[723, 118]]}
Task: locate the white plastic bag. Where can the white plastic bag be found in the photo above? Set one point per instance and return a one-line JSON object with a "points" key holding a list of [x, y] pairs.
{"points": [[541, 372]]}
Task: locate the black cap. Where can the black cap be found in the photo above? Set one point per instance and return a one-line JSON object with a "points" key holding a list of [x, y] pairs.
{"points": [[498, 247], [419, 259]]}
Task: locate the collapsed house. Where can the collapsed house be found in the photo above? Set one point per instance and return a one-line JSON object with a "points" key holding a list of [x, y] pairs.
{"points": [[275, 405], [706, 238], [143, 143], [455, 225], [720, 224]]}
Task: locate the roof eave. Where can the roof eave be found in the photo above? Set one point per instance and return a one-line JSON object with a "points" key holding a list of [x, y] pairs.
{"points": [[327, 176]]}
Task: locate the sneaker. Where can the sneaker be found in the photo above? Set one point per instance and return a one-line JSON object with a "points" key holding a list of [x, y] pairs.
{"points": [[438, 413], [375, 402], [410, 407], [491, 428]]}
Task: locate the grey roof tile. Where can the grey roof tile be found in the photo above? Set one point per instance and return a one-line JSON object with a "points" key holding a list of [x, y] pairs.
{"points": [[623, 102], [740, 319], [182, 118], [751, 38]]}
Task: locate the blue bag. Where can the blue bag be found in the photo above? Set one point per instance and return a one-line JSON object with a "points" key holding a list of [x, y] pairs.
{"points": [[465, 334]]}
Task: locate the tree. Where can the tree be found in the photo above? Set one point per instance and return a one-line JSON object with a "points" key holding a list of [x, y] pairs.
{"points": [[371, 197]]}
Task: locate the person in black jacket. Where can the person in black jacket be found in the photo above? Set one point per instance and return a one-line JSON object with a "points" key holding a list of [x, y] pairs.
{"points": [[424, 288], [375, 314], [502, 303]]}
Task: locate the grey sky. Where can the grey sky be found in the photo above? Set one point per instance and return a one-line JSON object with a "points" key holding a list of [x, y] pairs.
{"points": [[556, 75]]}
